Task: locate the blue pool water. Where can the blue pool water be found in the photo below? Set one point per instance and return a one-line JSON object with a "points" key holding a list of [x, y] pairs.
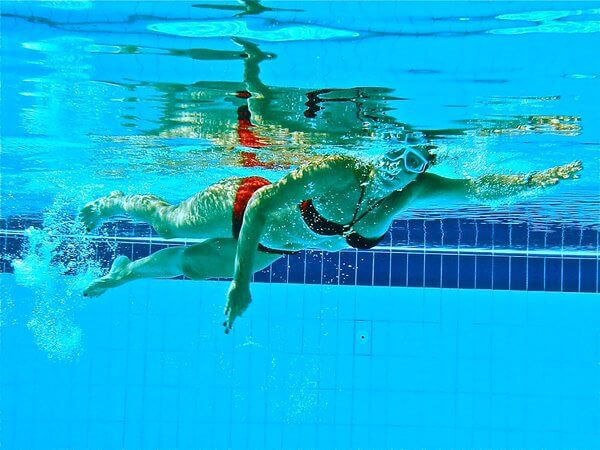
{"points": [[470, 325], [310, 366]]}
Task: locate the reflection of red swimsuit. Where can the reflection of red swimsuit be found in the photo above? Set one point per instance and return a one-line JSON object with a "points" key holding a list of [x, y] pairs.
{"points": [[248, 186], [246, 135]]}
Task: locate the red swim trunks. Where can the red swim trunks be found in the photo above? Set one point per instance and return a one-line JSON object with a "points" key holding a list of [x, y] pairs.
{"points": [[248, 186]]}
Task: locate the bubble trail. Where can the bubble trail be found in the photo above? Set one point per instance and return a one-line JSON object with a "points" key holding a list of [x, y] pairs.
{"points": [[56, 264]]}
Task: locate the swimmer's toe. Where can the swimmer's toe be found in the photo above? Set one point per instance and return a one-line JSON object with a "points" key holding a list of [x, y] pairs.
{"points": [[96, 288]]}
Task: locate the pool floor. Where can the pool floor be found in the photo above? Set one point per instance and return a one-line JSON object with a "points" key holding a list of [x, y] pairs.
{"points": [[148, 366]]}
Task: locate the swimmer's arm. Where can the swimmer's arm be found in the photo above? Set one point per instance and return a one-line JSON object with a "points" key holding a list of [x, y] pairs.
{"points": [[312, 180], [434, 188]]}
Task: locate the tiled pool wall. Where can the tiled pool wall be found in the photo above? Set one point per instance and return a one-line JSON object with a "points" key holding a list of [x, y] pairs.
{"points": [[447, 253]]}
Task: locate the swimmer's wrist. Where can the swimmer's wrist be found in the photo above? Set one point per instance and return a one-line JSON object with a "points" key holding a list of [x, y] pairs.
{"points": [[528, 179]]}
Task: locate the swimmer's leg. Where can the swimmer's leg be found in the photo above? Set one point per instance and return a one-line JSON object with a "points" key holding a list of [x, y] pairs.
{"points": [[165, 263], [147, 208], [204, 215], [213, 258]]}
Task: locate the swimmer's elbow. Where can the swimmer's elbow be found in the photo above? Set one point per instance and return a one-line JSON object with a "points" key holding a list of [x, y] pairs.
{"points": [[434, 187]]}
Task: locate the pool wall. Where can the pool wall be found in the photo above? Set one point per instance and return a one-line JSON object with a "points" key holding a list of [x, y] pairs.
{"points": [[308, 366], [448, 253]]}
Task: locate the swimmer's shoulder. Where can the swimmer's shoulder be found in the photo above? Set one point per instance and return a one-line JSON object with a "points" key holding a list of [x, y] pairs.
{"points": [[338, 162]]}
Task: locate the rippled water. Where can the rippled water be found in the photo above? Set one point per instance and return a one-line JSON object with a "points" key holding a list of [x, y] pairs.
{"points": [[167, 97]]}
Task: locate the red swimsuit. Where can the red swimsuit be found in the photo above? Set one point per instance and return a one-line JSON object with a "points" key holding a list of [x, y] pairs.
{"points": [[248, 186], [317, 223]]}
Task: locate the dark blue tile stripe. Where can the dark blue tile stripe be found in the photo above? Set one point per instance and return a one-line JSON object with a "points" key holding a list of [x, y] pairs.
{"points": [[421, 267]]}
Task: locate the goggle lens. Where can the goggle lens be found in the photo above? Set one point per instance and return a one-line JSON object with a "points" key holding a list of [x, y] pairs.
{"points": [[414, 162]]}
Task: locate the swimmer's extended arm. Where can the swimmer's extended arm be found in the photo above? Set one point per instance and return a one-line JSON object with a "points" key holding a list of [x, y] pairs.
{"points": [[329, 175], [491, 187], [434, 190]]}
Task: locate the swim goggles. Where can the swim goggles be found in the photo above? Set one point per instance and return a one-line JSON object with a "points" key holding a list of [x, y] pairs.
{"points": [[413, 161]]}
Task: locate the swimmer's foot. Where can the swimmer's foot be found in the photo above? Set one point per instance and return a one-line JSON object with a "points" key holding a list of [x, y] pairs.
{"points": [[94, 212], [553, 175], [118, 271]]}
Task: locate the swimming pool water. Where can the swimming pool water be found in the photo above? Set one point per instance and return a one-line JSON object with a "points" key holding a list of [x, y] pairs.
{"points": [[309, 367], [468, 326]]}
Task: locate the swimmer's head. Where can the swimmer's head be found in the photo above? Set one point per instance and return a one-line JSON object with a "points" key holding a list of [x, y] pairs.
{"points": [[398, 167]]}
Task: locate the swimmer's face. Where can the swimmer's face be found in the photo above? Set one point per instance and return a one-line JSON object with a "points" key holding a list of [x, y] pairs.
{"points": [[400, 166]]}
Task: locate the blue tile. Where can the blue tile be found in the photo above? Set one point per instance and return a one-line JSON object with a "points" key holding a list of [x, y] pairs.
{"points": [[364, 271], [518, 235], [416, 232], [554, 238], [399, 233], [535, 274], [398, 270], [331, 267], [400, 223], [588, 274], [348, 269], [501, 235], [572, 237], [140, 229], [279, 271], [23, 222], [381, 269], [433, 267], [386, 240], [501, 272], [296, 270], [3, 224], [589, 239], [433, 233], [104, 254], [108, 228], [3, 239], [7, 267], [314, 261], [484, 272], [125, 248], [124, 228], [450, 271], [140, 250], [466, 271], [450, 232], [468, 232], [570, 275], [484, 235], [415, 267], [518, 273], [13, 223], [553, 275], [263, 276], [156, 246], [14, 247], [537, 239]]}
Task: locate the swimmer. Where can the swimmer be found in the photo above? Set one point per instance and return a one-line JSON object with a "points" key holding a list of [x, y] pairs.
{"points": [[329, 204]]}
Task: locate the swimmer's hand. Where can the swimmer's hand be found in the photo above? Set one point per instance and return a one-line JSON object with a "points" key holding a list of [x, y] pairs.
{"points": [[553, 175], [497, 187], [238, 299]]}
